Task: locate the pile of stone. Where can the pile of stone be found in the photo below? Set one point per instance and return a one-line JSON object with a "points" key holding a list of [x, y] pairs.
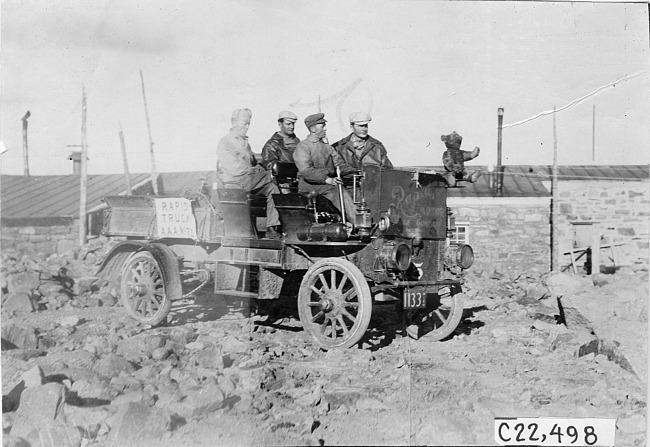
{"points": [[34, 282]]}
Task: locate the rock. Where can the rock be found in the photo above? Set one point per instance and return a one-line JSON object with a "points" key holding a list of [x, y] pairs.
{"points": [[19, 337], [182, 335], [153, 342], [11, 401], [226, 384], [195, 345], [174, 347], [210, 358], [370, 404], [202, 400], [71, 321], [50, 288], [107, 299], [132, 397], [33, 377], [46, 343], [112, 365], [92, 390], [17, 302], [137, 424], [23, 282], [310, 400], [252, 379], [40, 417], [562, 284], [85, 284], [127, 384], [231, 345], [134, 348], [600, 279], [14, 441], [631, 423], [159, 354]]}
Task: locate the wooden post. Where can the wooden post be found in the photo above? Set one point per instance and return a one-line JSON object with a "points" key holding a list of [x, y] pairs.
{"points": [[555, 212], [154, 174], [126, 163], [25, 150], [499, 141], [595, 250], [84, 171]]}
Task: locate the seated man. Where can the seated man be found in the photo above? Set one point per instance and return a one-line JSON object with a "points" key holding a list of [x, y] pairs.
{"points": [[282, 144], [240, 166], [317, 162], [360, 149]]}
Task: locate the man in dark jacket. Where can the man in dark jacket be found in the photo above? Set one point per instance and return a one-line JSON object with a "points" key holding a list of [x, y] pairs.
{"points": [[282, 144], [360, 149]]}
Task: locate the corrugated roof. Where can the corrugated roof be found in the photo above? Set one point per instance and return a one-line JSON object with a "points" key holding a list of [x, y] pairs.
{"points": [[57, 195]]}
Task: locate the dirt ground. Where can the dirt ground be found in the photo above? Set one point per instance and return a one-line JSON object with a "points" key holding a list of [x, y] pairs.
{"points": [[224, 376]]}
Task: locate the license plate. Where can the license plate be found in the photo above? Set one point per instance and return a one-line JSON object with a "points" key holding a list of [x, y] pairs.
{"points": [[414, 300]]}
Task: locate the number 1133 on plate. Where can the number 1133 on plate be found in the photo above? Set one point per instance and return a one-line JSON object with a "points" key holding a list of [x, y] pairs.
{"points": [[555, 431]]}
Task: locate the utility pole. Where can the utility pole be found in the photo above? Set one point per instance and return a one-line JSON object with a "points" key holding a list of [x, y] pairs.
{"points": [[555, 212], [25, 151], [126, 164], [593, 136], [499, 165], [154, 174], [84, 171]]}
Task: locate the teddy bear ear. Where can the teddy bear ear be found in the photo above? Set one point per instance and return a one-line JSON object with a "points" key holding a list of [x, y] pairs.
{"points": [[443, 138]]}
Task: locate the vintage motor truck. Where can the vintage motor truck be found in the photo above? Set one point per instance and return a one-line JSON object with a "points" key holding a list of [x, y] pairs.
{"points": [[395, 249]]}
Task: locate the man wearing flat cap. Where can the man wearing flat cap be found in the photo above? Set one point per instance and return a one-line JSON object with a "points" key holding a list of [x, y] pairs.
{"points": [[238, 165], [360, 149], [282, 144], [317, 162]]}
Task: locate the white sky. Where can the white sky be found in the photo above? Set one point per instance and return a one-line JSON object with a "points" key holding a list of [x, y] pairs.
{"points": [[421, 68]]}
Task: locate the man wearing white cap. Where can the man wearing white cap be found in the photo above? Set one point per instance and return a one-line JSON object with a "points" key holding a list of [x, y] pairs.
{"points": [[282, 144], [238, 165], [360, 149]]}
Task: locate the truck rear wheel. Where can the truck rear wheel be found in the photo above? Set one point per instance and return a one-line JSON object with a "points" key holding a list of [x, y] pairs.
{"points": [[334, 303], [144, 289], [439, 319]]}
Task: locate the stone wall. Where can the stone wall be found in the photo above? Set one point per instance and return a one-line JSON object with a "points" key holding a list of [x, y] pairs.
{"points": [[619, 211], [507, 234], [46, 237]]}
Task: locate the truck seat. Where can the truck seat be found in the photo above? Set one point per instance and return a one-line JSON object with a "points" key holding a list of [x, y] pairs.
{"points": [[285, 176]]}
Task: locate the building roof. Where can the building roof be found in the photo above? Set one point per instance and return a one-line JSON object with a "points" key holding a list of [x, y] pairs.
{"points": [[534, 181], [57, 195]]}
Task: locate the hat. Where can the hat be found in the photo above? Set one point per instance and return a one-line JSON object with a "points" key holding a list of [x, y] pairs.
{"points": [[241, 114], [316, 118], [452, 141], [360, 118], [287, 115]]}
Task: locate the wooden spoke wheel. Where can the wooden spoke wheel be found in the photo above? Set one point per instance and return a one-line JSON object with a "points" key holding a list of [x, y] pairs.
{"points": [[334, 303], [143, 289], [440, 317]]}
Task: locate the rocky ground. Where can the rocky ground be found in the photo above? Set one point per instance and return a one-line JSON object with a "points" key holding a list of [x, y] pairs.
{"points": [[76, 371]]}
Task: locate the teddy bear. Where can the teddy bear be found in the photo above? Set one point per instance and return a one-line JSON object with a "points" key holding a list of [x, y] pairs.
{"points": [[454, 160]]}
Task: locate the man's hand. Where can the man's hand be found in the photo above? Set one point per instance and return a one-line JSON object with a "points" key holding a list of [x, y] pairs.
{"points": [[333, 181]]}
